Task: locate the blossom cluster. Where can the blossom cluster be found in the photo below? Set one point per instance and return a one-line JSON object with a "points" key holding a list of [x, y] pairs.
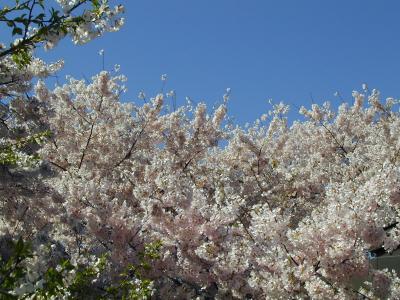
{"points": [[93, 23]]}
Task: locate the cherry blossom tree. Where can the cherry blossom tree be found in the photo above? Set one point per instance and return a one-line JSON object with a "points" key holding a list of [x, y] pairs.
{"points": [[33, 25], [132, 201], [280, 212]]}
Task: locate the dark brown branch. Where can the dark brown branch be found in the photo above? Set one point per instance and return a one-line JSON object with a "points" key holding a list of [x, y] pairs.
{"points": [[29, 19], [129, 153], [30, 41], [86, 146], [58, 166]]}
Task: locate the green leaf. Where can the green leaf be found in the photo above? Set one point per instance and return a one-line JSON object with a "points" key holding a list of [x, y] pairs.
{"points": [[95, 4], [40, 16], [19, 246], [22, 58], [17, 30]]}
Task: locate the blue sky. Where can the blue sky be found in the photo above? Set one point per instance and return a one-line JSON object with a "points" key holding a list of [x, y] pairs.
{"points": [[286, 50]]}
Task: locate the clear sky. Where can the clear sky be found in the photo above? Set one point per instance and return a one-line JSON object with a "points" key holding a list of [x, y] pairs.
{"points": [[286, 50]]}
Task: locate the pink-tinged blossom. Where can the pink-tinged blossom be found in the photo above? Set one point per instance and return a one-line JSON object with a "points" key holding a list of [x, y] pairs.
{"points": [[280, 212]]}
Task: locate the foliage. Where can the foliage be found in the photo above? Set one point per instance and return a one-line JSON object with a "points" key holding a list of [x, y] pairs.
{"points": [[11, 270], [10, 152], [69, 280], [132, 284], [34, 23]]}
